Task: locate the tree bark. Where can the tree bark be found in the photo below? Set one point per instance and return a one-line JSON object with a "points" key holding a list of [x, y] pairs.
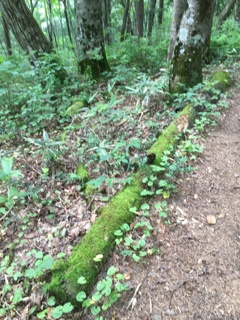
{"points": [[179, 7], [191, 40], [160, 11], [90, 41], [24, 27], [237, 11], [226, 12], [67, 20], [151, 14], [139, 10], [106, 19], [7, 37], [125, 18], [28, 33]]}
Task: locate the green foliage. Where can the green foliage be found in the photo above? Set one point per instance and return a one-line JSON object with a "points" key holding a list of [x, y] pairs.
{"points": [[137, 53], [108, 291], [225, 46]]}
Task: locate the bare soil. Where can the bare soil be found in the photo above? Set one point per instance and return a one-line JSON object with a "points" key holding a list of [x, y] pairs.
{"points": [[197, 274]]}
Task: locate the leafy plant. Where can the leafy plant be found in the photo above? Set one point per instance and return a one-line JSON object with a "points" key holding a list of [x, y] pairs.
{"points": [[108, 291]]}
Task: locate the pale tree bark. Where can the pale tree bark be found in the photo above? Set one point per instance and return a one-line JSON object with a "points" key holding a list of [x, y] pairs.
{"points": [[151, 14], [28, 33], [191, 40], [139, 11], [226, 12], [90, 41], [179, 7]]}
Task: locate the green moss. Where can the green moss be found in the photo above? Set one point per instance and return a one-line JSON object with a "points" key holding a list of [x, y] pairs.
{"points": [[98, 240], [76, 108], [82, 173], [186, 67], [221, 80], [168, 137]]}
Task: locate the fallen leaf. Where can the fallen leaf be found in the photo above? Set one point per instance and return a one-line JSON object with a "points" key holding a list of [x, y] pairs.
{"points": [[127, 275]]}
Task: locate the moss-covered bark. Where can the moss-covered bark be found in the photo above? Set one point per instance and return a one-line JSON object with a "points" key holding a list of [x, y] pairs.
{"points": [[191, 43], [100, 238], [90, 40]]}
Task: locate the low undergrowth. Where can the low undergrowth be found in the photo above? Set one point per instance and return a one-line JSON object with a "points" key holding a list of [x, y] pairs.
{"points": [[47, 205]]}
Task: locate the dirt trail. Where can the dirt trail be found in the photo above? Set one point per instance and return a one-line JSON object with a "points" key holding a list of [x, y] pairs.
{"points": [[197, 275]]}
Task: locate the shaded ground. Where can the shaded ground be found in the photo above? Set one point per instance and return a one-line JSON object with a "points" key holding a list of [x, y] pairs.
{"points": [[197, 275]]}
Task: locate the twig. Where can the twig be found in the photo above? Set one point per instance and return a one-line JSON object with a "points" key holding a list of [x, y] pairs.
{"points": [[25, 159], [133, 300], [4, 216], [150, 304]]}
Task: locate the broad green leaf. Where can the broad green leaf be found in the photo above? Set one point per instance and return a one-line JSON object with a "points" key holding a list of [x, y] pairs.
{"points": [[7, 164], [81, 296], [67, 307]]}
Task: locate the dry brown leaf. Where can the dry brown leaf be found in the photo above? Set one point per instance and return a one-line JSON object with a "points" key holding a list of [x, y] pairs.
{"points": [[127, 275], [182, 123]]}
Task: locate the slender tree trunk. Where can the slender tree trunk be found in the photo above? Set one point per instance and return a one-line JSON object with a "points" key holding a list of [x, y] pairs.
{"points": [[33, 5], [7, 37], [139, 10], [125, 18], [151, 19], [193, 33], [67, 20], [106, 19], [237, 11], [90, 41], [217, 7], [226, 12], [160, 11], [48, 11]]}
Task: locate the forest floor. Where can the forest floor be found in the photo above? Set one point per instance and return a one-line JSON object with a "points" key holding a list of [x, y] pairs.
{"points": [[197, 274]]}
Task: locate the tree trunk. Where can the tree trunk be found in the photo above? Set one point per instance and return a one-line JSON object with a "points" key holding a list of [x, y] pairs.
{"points": [[67, 20], [226, 12], [24, 27], [237, 11], [151, 19], [179, 7], [106, 19], [7, 37], [192, 38], [28, 33], [90, 42], [160, 11], [125, 18], [139, 10], [33, 5]]}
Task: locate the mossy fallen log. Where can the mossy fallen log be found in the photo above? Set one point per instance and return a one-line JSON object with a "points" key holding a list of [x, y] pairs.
{"points": [[100, 238]]}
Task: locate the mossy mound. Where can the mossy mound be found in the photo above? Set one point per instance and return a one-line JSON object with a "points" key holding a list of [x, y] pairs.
{"points": [[221, 80], [76, 108]]}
